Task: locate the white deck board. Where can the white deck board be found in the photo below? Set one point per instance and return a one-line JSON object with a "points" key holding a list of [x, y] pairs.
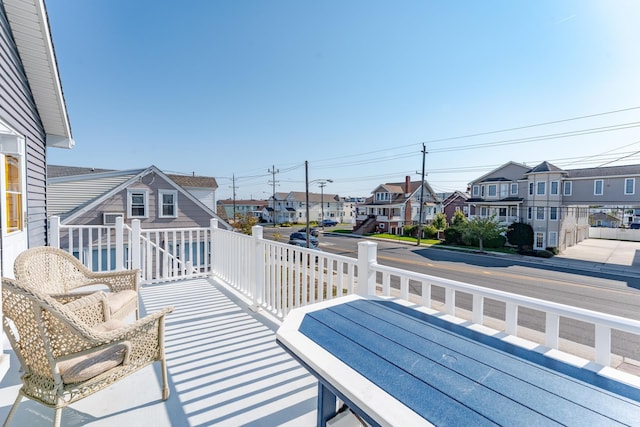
{"points": [[225, 369]]}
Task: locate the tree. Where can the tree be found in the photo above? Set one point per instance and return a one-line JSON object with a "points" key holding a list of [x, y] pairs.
{"points": [[440, 221], [520, 234], [244, 223], [482, 228], [458, 219]]}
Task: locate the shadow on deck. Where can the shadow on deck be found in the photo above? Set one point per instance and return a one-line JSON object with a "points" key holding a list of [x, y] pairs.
{"points": [[225, 369]]}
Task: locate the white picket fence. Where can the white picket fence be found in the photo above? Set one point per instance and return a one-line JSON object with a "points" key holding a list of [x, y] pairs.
{"points": [[278, 277]]}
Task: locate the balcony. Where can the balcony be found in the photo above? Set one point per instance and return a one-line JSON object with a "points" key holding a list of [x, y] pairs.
{"points": [[224, 365]]}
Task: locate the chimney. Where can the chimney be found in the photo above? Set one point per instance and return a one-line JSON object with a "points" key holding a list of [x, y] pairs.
{"points": [[407, 186]]}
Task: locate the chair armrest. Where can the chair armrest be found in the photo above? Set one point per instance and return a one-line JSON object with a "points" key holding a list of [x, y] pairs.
{"points": [[116, 280], [92, 309], [145, 335]]}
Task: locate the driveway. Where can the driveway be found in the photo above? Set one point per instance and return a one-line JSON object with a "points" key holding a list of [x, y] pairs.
{"points": [[615, 252]]}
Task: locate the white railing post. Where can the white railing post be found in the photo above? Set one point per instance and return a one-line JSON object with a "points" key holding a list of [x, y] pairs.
{"points": [[54, 231], [257, 285], [213, 250], [603, 345], [367, 257], [119, 243], [136, 247]]}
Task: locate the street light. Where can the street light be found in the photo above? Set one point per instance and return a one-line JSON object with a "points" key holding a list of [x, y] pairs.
{"points": [[322, 183]]}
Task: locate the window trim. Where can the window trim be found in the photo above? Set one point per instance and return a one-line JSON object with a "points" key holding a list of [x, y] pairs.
{"points": [[161, 194], [557, 190], [541, 185], [512, 186], [130, 193], [551, 209], [595, 187], [633, 186], [476, 190], [493, 187], [540, 214], [567, 185]]}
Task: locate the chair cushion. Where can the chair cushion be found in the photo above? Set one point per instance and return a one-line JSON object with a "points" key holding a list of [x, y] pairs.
{"points": [[117, 300], [110, 325], [83, 368]]}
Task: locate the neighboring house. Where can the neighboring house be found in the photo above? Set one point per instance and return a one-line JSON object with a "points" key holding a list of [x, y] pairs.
{"points": [[554, 201], [202, 187], [82, 196], [350, 207], [33, 116], [242, 207], [456, 201], [602, 219], [292, 207], [395, 205]]}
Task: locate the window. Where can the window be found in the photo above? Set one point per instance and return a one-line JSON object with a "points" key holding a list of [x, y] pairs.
{"points": [[492, 191], [137, 203], [529, 213], [514, 188], [553, 213], [540, 212], [541, 188], [539, 241], [483, 211], [567, 188], [504, 190], [629, 186], [13, 193], [531, 188], [476, 190], [502, 212], [554, 188], [168, 203], [598, 187], [553, 239]]}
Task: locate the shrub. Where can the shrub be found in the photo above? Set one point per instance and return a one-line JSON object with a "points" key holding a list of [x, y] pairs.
{"points": [[544, 254], [553, 250], [520, 234], [495, 242], [452, 236], [409, 230], [429, 231]]}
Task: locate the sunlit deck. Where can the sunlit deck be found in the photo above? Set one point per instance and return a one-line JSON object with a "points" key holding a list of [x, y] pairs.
{"points": [[225, 369]]}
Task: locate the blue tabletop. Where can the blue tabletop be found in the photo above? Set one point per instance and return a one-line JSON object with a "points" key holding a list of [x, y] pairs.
{"points": [[451, 375]]}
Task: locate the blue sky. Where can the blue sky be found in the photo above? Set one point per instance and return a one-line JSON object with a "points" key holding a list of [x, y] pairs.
{"points": [[234, 88]]}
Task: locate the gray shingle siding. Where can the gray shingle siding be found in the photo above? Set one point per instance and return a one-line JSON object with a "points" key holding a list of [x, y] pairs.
{"points": [[18, 110]]}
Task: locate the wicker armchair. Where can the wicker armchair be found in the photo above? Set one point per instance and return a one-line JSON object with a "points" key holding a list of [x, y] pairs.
{"points": [[58, 273], [70, 351]]}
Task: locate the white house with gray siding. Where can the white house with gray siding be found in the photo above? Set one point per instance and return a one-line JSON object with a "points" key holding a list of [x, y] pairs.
{"points": [[33, 117], [96, 197]]}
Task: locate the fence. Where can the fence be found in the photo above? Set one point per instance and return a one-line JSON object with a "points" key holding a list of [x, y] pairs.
{"points": [[278, 277]]}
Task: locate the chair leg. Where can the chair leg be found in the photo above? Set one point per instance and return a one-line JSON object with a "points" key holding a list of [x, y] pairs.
{"points": [[57, 418], [13, 410], [165, 382]]}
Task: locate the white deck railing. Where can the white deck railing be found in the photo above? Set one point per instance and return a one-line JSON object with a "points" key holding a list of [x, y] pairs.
{"points": [[278, 277]]}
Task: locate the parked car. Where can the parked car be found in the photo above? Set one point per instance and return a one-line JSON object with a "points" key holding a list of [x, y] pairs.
{"points": [[302, 237], [328, 223], [303, 243], [314, 231], [635, 226]]}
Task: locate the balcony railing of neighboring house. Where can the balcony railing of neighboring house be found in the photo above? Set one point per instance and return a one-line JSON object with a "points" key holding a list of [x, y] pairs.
{"points": [[160, 254], [278, 277]]}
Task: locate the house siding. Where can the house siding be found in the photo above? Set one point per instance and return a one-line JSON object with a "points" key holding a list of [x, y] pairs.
{"points": [[18, 110], [190, 214]]}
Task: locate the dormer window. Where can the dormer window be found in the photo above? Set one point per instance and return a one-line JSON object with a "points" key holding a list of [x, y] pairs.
{"points": [[383, 196]]}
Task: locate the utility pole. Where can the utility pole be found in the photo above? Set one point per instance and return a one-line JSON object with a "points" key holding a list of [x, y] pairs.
{"points": [[233, 188], [306, 201], [424, 154], [273, 171]]}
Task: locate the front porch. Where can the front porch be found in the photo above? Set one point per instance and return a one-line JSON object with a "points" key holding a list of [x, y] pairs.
{"points": [[225, 369]]}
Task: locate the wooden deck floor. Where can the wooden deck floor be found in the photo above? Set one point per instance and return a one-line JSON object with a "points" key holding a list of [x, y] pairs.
{"points": [[225, 369]]}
